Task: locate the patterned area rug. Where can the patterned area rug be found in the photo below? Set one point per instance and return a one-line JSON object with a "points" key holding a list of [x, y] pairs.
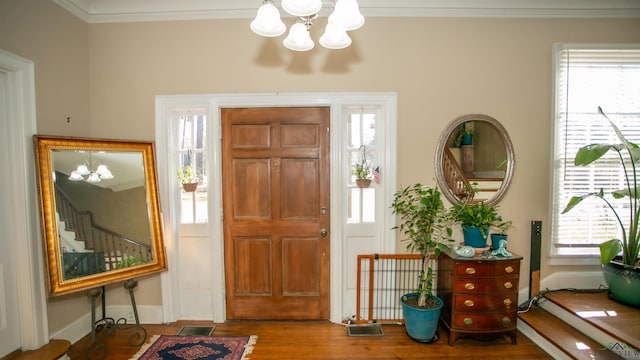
{"points": [[165, 347]]}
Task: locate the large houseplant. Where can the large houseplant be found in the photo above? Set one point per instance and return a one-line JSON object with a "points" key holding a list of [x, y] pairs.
{"points": [[622, 274], [424, 223]]}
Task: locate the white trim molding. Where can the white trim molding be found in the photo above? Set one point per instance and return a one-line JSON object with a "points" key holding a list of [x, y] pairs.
{"points": [[112, 11], [21, 108]]}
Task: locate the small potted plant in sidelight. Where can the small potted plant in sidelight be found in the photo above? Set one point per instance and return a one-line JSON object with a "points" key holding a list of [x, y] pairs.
{"points": [[424, 222], [188, 179], [362, 172]]}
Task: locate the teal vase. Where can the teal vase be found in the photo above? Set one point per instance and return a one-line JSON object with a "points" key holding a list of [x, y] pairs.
{"points": [[421, 324], [495, 240], [474, 237]]}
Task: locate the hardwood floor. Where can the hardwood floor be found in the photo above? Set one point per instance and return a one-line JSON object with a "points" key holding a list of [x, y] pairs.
{"points": [[327, 341]]}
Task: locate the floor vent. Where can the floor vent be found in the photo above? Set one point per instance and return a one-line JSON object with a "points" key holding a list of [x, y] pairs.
{"points": [[365, 330], [196, 330]]}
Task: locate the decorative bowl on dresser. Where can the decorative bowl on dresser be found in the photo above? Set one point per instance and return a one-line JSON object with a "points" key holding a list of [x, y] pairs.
{"points": [[480, 295]]}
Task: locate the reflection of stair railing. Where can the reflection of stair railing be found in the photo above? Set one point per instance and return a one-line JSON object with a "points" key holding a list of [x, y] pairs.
{"points": [[115, 248], [454, 176]]}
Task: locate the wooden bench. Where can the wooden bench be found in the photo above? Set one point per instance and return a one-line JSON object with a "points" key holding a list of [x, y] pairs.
{"points": [[54, 350]]}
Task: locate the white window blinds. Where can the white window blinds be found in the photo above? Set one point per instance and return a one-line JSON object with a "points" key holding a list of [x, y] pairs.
{"points": [[588, 77]]}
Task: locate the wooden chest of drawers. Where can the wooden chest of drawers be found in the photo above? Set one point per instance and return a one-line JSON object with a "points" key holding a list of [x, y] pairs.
{"points": [[480, 295]]}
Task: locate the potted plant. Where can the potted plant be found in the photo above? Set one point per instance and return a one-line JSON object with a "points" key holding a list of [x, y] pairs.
{"points": [[476, 218], [465, 136], [502, 234], [362, 172], [188, 179], [621, 273], [424, 223]]}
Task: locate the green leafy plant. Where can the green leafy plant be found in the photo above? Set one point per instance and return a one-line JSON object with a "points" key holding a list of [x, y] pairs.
{"points": [[629, 155], [424, 223], [187, 175], [476, 214], [361, 171], [503, 227], [464, 132], [129, 261]]}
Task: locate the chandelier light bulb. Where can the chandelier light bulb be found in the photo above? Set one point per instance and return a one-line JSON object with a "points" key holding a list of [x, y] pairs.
{"points": [[299, 38], [82, 169], [93, 178], [267, 22], [302, 7], [335, 37], [347, 14], [75, 176]]}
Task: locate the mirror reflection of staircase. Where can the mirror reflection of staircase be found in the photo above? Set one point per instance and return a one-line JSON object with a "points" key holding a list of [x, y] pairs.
{"points": [[88, 248], [583, 325]]}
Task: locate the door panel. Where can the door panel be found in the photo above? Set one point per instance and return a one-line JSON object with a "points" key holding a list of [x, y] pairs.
{"points": [[275, 183]]}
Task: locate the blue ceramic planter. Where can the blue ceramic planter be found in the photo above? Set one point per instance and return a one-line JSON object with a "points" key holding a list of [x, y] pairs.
{"points": [[474, 237], [421, 324], [495, 240], [623, 282]]}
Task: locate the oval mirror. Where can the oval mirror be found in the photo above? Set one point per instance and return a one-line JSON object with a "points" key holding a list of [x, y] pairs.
{"points": [[474, 158]]}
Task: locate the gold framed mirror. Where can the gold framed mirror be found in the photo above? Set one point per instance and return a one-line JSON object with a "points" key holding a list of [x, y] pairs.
{"points": [[474, 157], [100, 211]]}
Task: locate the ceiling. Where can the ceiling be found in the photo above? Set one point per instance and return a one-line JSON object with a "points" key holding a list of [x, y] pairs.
{"points": [[106, 11]]}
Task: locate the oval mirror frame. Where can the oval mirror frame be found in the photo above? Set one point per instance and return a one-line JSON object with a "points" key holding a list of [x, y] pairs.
{"points": [[141, 193], [446, 137]]}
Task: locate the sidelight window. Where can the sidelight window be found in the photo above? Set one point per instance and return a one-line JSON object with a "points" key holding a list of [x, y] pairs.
{"points": [[192, 151], [361, 125]]}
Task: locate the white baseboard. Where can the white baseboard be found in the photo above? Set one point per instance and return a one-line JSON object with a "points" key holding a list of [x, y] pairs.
{"points": [[573, 280], [148, 314], [543, 343]]}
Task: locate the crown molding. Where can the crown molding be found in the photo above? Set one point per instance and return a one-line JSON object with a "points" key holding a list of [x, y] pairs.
{"points": [[107, 11]]}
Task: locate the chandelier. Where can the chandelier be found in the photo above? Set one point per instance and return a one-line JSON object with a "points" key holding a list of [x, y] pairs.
{"points": [[100, 173], [345, 17]]}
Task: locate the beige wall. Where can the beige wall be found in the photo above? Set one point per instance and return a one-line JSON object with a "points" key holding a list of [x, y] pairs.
{"points": [[440, 68]]}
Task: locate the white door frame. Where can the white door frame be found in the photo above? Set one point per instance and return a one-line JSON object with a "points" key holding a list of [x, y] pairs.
{"points": [[21, 103], [165, 152]]}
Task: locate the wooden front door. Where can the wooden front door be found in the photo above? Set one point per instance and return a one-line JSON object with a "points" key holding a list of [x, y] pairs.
{"points": [[275, 170]]}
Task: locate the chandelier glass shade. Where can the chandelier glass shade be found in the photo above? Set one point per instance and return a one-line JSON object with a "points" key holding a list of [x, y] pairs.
{"points": [[345, 17], [101, 172]]}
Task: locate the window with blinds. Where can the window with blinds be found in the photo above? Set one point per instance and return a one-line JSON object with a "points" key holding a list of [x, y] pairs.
{"points": [[586, 77]]}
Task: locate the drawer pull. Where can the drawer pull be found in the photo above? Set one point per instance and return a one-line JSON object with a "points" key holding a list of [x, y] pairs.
{"points": [[470, 270], [508, 269], [508, 285], [507, 302], [468, 321], [469, 286], [469, 303], [506, 320]]}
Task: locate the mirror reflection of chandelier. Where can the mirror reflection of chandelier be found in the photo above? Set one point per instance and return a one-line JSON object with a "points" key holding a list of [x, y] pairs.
{"points": [[100, 173], [345, 17]]}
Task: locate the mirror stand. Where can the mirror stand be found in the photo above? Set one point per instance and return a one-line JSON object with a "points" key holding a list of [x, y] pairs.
{"points": [[107, 326]]}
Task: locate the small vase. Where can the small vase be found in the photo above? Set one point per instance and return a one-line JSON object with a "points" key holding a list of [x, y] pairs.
{"points": [[495, 240], [363, 183], [190, 187]]}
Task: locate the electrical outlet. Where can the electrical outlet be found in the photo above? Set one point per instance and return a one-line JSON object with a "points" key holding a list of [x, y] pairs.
{"points": [[130, 317]]}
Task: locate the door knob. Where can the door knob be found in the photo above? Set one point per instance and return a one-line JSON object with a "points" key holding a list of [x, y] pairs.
{"points": [[323, 232]]}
